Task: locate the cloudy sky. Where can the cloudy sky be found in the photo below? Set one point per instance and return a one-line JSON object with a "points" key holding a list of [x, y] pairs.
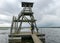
{"points": [[47, 12]]}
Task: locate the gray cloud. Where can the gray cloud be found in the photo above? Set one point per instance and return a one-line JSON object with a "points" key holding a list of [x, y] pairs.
{"points": [[5, 21], [42, 9]]}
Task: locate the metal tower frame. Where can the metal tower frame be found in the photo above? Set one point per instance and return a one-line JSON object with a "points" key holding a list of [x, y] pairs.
{"points": [[27, 11]]}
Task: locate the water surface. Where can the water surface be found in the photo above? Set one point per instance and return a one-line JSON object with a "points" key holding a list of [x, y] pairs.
{"points": [[52, 35]]}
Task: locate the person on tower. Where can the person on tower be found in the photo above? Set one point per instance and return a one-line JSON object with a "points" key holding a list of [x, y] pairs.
{"points": [[32, 28]]}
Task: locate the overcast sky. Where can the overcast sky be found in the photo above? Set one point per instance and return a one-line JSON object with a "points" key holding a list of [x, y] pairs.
{"points": [[47, 12]]}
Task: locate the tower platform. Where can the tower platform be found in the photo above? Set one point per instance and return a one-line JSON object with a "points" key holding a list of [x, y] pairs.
{"points": [[27, 37]]}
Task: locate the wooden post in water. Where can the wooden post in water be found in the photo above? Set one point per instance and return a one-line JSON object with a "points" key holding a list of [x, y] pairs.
{"points": [[12, 25]]}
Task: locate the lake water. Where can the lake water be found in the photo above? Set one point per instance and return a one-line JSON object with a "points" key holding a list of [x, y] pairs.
{"points": [[52, 35]]}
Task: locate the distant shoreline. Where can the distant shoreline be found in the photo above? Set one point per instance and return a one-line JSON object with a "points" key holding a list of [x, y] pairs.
{"points": [[29, 27]]}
